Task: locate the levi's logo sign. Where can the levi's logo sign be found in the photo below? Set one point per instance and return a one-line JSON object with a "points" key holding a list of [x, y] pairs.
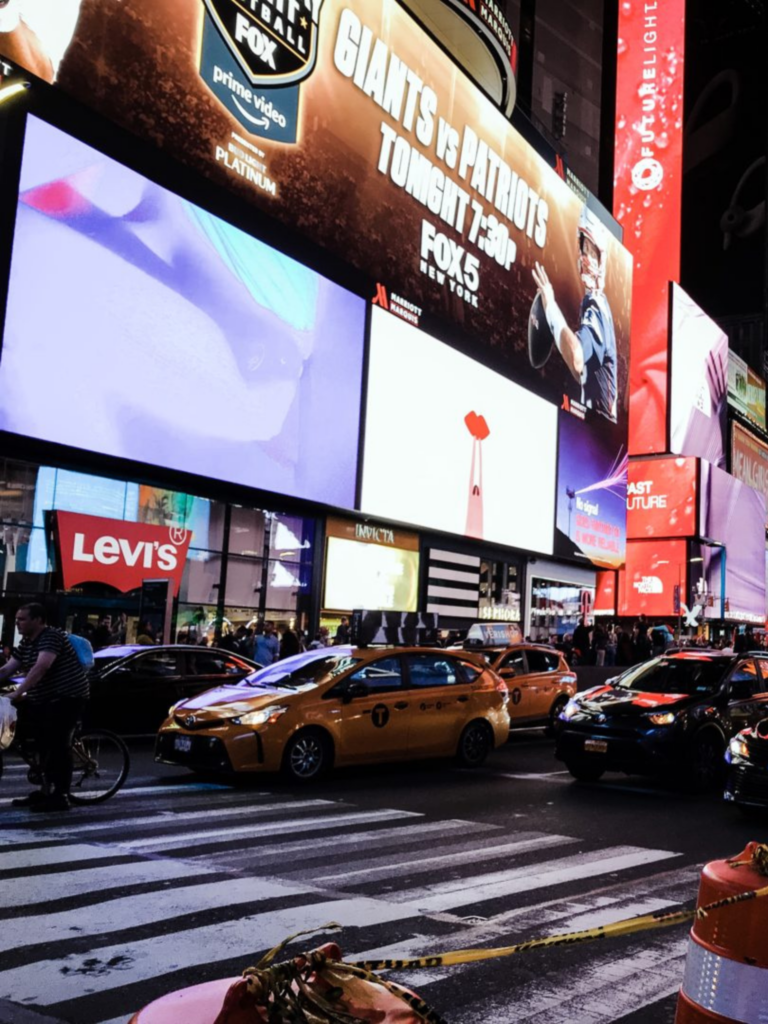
{"points": [[273, 41], [118, 553], [111, 550]]}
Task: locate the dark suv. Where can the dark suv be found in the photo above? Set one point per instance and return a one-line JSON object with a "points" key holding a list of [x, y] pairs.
{"points": [[672, 716]]}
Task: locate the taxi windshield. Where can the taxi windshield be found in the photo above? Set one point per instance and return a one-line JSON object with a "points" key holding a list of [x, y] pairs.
{"points": [[682, 675], [310, 668]]}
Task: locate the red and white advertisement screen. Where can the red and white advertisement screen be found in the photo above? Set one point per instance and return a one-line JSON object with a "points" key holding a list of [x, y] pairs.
{"points": [[647, 197], [606, 586], [661, 498], [654, 569]]}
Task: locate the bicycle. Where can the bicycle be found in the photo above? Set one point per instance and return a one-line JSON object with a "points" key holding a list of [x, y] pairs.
{"points": [[100, 764]]}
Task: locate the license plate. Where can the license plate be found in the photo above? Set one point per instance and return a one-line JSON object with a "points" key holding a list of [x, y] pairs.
{"points": [[596, 746], [182, 743]]}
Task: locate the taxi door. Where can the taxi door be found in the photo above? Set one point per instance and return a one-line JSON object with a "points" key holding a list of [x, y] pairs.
{"points": [[441, 695], [375, 724], [542, 680], [747, 703], [522, 692]]}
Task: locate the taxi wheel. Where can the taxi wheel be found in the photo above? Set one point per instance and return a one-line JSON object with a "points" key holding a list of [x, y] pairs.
{"points": [[307, 756], [554, 714], [585, 771], [475, 744]]}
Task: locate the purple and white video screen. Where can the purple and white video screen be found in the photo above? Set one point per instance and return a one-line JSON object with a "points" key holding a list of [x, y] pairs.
{"points": [[139, 325], [732, 514]]}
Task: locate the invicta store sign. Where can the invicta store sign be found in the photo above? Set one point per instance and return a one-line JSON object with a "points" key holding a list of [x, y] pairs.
{"points": [[255, 54]]}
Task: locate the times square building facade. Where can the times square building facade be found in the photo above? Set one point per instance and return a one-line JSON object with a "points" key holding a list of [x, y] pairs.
{"points": [[269, 291]]}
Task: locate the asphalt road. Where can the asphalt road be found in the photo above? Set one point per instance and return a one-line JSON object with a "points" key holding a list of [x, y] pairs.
{"points": [[177, 881]]}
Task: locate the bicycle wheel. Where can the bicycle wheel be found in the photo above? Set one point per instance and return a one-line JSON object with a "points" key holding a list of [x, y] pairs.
{"points": [[101, 763]]}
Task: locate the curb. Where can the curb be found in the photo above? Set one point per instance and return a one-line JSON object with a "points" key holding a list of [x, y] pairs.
{"points": [[13, 1013]]}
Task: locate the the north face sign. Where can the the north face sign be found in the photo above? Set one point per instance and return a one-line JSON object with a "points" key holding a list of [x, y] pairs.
{"points": [[273, 41]]}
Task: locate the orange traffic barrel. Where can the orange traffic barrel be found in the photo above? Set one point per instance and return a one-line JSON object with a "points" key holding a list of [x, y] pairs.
{"points": [[726, 968], [199, 1004], [231, 1000]]}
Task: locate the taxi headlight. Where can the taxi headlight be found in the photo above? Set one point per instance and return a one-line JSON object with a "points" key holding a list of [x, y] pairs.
{"points": [[255, 719], [666, 718], [571, 708], [738, 747]]}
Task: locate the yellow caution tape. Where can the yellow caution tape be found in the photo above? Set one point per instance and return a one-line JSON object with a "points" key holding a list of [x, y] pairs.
{"points": [[631, 926]]}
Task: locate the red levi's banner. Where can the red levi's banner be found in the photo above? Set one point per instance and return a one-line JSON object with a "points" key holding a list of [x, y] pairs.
{"points": [[119, 553], [647, 197]]}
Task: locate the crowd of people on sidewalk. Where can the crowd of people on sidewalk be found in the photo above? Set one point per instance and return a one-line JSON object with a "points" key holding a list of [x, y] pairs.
{"points": [[263, 643], [626, 644]]}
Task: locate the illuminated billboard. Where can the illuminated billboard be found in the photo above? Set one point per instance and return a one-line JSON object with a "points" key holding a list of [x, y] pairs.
{"points": [[370, 567], [183, 342], [699, 383], [733, 521], [746, 391], [451, 445], [367, 124], [661, 498], [749, 459], [648, 175], [591, 494], [654, 571]]}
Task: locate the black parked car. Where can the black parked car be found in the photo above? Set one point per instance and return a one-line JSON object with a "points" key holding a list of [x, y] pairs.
{"points": [[672, 716], [133, 686], [746, 782]]}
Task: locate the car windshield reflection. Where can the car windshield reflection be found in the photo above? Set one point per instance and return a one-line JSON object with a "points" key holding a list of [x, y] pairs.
{"points": [[687, 676], [302, 670]]}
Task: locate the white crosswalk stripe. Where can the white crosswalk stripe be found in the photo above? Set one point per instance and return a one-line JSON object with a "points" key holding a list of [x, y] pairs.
{"points": [[466, 884]]}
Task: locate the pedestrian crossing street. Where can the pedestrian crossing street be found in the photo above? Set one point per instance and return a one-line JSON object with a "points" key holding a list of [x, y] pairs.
{"points": [[165, 886]]}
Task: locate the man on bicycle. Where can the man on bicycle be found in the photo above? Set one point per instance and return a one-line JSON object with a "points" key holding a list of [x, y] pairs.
{"points": [[50, 702]]}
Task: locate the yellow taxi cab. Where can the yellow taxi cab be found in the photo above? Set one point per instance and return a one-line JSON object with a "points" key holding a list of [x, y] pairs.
{"points": [[539, 679], [342, 706]]}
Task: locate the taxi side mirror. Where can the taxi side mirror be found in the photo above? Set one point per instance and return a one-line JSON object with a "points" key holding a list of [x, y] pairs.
{"points": [[356, 689], [507, 673]]}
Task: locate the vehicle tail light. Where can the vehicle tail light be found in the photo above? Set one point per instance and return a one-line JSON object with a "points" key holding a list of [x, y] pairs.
{"points": [[503, 689]]}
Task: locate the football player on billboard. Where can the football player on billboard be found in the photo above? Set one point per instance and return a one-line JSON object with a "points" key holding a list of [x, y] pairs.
{"points": [[589, 352], [36, 33]]}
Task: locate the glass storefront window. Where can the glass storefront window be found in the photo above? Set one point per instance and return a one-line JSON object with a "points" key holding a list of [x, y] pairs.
{"points": [[285, 582], [499, 591], [196, 624], [17, 491], [289, 537], [244, 580], [557, 607], [202, 577], [246, 532]]}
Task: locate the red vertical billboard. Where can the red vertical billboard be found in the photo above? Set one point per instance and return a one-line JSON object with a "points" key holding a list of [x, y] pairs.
{"points": [[647, 196], [655, 570]]}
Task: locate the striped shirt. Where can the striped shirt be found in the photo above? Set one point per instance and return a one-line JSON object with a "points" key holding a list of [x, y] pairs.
{"points": [[65, 677]]}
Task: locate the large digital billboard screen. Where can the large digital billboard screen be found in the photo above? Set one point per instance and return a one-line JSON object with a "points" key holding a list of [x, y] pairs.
{"points": [[733, 515], [166, 336], [647, 196], [661, 498], [699, 388], [349, 120], [452, 445], [591, 494], [369, 576], [655, 568], [749, 459]]}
